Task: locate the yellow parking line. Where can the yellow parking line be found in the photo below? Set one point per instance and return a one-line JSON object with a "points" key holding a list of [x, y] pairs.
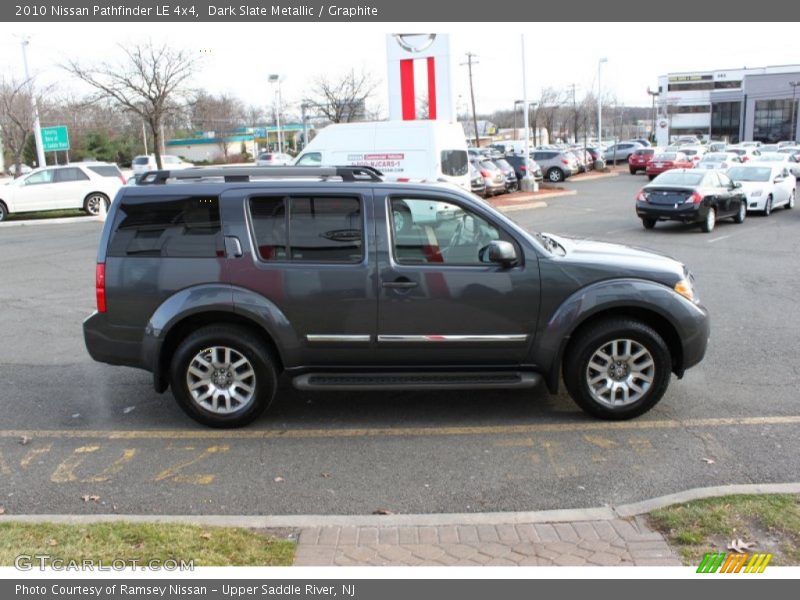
{"points": [[245, 434]]}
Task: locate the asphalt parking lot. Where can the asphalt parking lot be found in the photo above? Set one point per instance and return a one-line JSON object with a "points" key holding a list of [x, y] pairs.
{"points": [[81, 437]]}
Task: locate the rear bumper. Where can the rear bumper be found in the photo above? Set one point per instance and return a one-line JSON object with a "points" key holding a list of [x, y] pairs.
{"points": [[689, 213], [112, 345]]}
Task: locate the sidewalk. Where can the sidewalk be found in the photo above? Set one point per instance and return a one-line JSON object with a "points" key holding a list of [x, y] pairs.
{"points": [[621, 542]]}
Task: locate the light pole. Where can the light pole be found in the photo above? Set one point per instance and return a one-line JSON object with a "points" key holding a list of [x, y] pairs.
{"points": [[654, 96], [516, 103], [37, 127], [599, 103], [275, 78], [794, 85]]}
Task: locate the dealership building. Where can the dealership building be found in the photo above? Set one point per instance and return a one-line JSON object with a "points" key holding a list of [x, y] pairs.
{"points": [[731, 104]]}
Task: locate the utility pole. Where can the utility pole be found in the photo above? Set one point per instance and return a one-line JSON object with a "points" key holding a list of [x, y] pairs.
{"points": [[794, 85], [574, 113], [654, 95], [599, 103], [471, 61], [303, 108], [37, 127]]}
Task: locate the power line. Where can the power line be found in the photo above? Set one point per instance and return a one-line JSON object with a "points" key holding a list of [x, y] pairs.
{"points": [[471, 61]]}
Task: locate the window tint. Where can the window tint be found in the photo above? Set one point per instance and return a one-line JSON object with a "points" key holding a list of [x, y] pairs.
{"points": [[454, 163], [106, 171], [186, 227], [45, 176], [69, 175], [311, 159], [321, 229], [436, 232]]}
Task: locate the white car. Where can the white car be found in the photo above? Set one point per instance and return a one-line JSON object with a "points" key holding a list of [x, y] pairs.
{"points": [[744, 151], [788, 161], [718, 160], [273, 159], [81, 185], [144, 163], [694, 153], [766, 186]]}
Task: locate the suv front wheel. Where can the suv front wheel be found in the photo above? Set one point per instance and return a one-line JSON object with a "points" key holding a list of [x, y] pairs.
{"points": [[223, 376], [617, 369]]}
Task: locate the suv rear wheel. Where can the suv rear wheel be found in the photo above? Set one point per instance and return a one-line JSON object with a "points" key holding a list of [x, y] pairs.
{"points": [[555, 175], [92, 202], [3, 212], [617, 369], [223, 376]]}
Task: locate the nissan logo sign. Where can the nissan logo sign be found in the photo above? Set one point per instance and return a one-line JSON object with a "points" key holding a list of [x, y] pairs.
{"points": [[415, 42]]}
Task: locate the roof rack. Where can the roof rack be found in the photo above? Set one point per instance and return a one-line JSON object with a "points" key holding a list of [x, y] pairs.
{"points": [[348, 174]]}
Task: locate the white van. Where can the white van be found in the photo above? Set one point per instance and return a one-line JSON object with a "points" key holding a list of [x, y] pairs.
{"points": [[401, 150]]}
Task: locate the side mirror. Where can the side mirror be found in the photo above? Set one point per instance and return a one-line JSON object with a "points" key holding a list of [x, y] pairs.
{"points": [[736, 184], [499, 252]]}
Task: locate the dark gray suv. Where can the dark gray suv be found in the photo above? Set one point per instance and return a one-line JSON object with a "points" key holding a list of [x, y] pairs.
{"points": [[217, 281]]}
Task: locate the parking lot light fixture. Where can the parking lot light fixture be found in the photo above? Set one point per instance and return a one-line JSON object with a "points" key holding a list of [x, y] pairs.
{"points": [[276, 79]]}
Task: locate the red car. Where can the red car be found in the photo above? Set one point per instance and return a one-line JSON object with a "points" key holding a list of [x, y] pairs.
{"points": [[666, 161], [639, 159]]}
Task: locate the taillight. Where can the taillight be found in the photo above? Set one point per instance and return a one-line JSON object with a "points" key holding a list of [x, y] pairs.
{"points": [[100, 286], [485, 173], [745, 158], [565, 161], [123, 180], [695, 198], [523, 168], [642, 197]]}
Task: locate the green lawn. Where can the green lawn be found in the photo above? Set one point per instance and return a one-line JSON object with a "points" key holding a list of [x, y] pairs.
{"points": [[46, 214], [771, 521], [206, 546]]}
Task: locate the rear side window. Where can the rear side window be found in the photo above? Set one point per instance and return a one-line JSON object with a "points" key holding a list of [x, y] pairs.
{"points": [[308, 229], [69, 175], [454, 163], [106, 171], [182, 227]]}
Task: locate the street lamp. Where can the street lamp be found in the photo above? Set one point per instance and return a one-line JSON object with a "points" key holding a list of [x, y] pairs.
{"points": [[654, 95], [275, 78], [516, 103], [599, 103], [37, 127], [794, 85]]}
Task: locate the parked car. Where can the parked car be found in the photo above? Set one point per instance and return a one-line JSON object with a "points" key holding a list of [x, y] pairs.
{"points": [[666, 161], [23, 170], [766, 186], [693, 153], [788, 161], [621, 151], [750, 144], [79, 185], [512, 184], [476, 182], [521, 166], [686, 140], [273, 159], [555, 164], [585, 160], [744, 152], [639, 159], [718, 160], [716, 146], [471, 303], [691, 196], [786, 143], [791, 150], [493, 177], [597, 157], [144, 163], [643, 142]]}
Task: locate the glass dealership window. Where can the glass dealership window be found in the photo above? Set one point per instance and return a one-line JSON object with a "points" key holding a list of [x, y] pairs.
{"points": [[725, 120], [772, 120]]}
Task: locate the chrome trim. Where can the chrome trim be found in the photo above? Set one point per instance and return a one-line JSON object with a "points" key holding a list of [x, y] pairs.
{"points": [[451, 338], [338, 339]]}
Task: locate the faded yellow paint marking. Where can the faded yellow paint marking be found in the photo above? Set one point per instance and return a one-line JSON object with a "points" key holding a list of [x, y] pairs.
{"points": [[601, 442], [4, 468], [112, 469], [714, 447], [175, 473], [249, 434], [535, 458], [642, 446], [65, 472], [516, 443], [33, 453], [555, 454]]}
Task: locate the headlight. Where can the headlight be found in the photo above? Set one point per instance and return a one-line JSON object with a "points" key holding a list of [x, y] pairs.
{"points": [[684, 288], [755, 193]]}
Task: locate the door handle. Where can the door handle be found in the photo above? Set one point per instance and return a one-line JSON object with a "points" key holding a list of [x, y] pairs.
{"points": [[233, 248], [401, 283]]}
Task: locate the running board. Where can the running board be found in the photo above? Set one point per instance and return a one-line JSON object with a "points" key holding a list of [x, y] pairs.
{"points": [[417, 381]]}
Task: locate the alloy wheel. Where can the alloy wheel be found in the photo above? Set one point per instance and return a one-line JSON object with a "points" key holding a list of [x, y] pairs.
{"points": [[221, 380], [620, 372]]}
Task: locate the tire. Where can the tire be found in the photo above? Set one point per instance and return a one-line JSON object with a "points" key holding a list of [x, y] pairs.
{"points": [[91, 204], [649, 223], [768, 206], [588, 385], [555, 175], [401, 216], [632, 170], [3, 212], [788, 206], [742, 214], [257, 373], [710, 220], [651, 177]]}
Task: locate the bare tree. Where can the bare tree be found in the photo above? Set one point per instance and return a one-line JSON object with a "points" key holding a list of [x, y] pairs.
{"points": [[220, 114], [149, 81], [16, 118], [342, 100], [547, 111]]}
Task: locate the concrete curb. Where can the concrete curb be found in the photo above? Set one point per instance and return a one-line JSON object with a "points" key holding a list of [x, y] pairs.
{"points": [[523, 206], [593, 177], [603, 513], [58, 221]]}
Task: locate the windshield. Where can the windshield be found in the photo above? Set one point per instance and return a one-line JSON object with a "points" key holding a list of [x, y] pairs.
{"points": [[739, 151], [667, 156], [679, 178], [749, 173], [714, 157]]}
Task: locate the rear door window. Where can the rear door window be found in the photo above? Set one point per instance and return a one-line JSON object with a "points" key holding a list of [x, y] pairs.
{"points": [[70, 175], [106, 170], [178, 227], [454, 163]]}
